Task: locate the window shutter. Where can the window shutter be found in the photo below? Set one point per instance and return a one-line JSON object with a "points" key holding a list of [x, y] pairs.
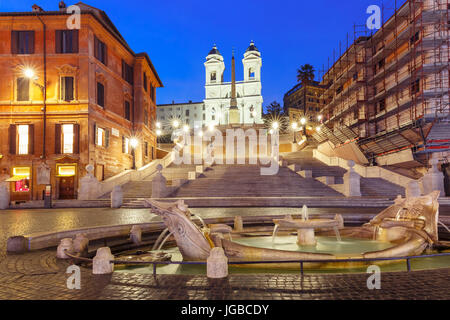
{"points": [[31, 139], [12, 139], [58, 41], [95, 133], [68, 88], [63, 88], [74, 41], [95, 47], [123, 144], [106, 138], [14, 42], [31, 33], [76, 138], [57, 138], [105, 54]]}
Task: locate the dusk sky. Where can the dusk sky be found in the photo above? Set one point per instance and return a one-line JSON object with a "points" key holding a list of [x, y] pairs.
{"points": [[178, 35]]}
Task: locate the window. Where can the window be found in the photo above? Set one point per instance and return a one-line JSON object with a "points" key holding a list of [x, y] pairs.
{"points": [[415, 38], [145, 82], [187, 113], [382, 105], [23, 89], [23, 138], [251, 74], [100, 51], [101, 136], [127, 72], [100, 94], [146, 116], [127, 110], [125, 145], [146, 148], [22, 173], [66, 41], [67, 88], [204, 117], [355, 76], [22, 42], [415, 87], [213, 76], [68, 138]]}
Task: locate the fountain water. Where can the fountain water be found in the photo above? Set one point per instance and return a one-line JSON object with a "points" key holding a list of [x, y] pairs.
{"points": [[305, 214]]}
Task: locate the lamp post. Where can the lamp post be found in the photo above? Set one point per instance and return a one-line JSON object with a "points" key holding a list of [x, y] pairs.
{"points": [[134, 142], [303, 123]]}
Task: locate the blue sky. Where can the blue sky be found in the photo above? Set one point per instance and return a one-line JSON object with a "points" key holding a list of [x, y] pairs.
{"points": [[178, 35]]}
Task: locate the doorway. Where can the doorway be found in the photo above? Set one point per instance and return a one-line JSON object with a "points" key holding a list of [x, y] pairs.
{"points": [[67, 188]]}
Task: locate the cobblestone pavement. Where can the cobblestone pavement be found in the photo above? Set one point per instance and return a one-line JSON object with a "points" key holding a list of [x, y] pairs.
{"points": [[39, 275]]}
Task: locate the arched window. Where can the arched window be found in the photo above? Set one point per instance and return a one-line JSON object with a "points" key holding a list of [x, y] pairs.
{"points": [[251, 74]]}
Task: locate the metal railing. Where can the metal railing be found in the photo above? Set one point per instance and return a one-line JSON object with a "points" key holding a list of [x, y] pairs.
{"points": [[300, 262]]}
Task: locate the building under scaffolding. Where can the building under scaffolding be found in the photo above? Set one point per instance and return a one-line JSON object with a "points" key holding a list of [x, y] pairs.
{"points": [[389, 91]]}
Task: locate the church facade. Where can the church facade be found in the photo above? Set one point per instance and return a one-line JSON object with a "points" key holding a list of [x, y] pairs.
{"points": [[215, 108], [218, 93]]}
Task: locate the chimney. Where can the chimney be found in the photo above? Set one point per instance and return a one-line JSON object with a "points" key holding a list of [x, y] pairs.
{"points": [[36, 8], [62, 6]]}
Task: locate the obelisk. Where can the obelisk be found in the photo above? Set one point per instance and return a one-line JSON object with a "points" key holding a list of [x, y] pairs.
{"points": [[234, 114]]}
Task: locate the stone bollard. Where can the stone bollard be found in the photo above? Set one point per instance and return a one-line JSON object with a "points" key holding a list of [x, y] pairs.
{"points": [[433, 180], [159, 187], [238, 224], [65, 244], [136, 234], [81, 244], [217, 264], [102, 261], [117, 197], [413, 190], [352, 181]]}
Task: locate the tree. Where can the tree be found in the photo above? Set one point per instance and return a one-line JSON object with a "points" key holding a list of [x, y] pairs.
{"points": [[275, 109], [305, 74]]}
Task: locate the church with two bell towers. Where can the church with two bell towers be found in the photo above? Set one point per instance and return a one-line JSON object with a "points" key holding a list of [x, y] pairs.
{"points": [[235, 102]]}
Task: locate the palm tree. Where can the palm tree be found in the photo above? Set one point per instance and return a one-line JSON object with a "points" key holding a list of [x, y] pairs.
{"points": [[305, 74]]}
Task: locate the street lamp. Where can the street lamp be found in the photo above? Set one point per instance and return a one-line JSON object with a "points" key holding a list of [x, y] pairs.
{"points": [[176, 124], [275, 125], [134, 142], [320, 117], [303, 122]]}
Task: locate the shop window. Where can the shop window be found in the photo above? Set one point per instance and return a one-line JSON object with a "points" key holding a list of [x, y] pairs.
{"points": [[21, 177]]}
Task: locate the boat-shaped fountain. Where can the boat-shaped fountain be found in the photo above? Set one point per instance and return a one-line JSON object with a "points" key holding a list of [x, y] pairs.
{"points": [[409, 227]]}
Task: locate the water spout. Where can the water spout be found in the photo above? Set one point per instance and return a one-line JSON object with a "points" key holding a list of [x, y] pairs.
{"points": [[161, 236], [274, 234], [164, 241]]}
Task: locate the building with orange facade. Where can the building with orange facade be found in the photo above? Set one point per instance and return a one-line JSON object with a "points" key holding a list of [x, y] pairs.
{"points": [[97, 105]]}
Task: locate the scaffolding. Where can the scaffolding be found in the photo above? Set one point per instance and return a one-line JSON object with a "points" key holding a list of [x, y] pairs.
{"points": [[388, 86]]}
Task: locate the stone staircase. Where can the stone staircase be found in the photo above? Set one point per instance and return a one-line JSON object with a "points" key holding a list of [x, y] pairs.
{"points": [[247, 181]]}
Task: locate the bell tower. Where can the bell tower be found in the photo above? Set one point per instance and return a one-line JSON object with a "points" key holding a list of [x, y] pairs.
{"points": [[214, 67]]}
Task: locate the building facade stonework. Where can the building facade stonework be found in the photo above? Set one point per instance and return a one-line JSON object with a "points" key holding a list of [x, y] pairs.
{"points": [[99, 94]]}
